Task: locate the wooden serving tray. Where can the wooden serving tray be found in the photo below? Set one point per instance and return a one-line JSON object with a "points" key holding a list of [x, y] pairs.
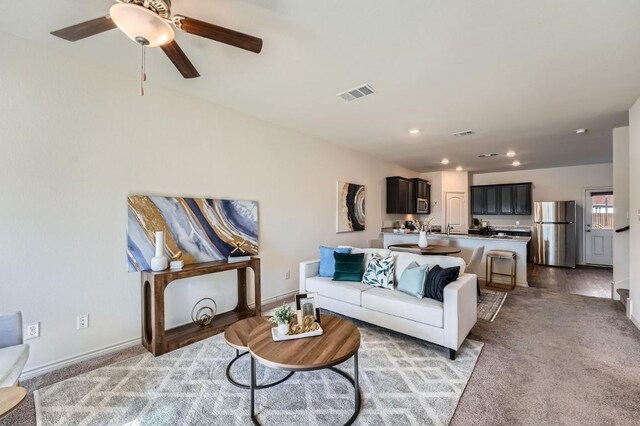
{"points": [[277, 337]]}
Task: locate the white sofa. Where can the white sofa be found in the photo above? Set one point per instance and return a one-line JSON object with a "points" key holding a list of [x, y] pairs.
{"points": [[443, 323], [13, 353]]}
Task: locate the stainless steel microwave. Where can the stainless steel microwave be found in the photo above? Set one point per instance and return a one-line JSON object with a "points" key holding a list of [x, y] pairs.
{"points": [[422, 205]]}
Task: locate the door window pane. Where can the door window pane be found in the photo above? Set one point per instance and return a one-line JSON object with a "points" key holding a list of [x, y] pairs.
{"points": [[602, 210]]}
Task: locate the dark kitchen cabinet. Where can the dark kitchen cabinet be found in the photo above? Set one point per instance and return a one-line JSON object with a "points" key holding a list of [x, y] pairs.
{"points": [[400, 195], [477, 200], [423, 189], [506, 199], [522, 195], [403, 193], [492, 197], [485, 200]]}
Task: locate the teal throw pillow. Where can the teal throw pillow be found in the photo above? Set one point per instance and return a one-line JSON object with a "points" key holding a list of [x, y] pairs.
{"points": [[412, 280], [348, 267], [327, 262], [379, 272]]}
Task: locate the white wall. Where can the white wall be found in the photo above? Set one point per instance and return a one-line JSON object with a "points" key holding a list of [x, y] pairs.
{"points": [[441, 183], [553, 184], [621, 211], [634, 211], [76, 139]]}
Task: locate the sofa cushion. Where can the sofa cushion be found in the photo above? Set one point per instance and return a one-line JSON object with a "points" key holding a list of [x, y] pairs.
{"points": [[348, 267], [404, 259], [367, 253], [425, 311], [437, 279], [413, 279], [379, 271], [327, 262], [12, 361], [344, 291]]}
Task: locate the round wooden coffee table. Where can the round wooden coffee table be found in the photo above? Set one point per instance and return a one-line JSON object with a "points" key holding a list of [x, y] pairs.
{"points": [[237, 336], [10, 398], [339, 342]]}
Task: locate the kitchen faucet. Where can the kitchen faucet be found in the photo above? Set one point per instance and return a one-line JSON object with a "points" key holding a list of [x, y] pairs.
{"points": [[448, 229]]}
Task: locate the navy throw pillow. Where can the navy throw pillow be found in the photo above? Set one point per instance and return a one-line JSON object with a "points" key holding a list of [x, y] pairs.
{"points": [[438, 279], [348, 267]]}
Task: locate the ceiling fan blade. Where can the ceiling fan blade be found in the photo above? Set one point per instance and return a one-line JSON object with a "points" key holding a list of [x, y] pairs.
{"points": [[180, 60], [85, 29], [221, 34]]}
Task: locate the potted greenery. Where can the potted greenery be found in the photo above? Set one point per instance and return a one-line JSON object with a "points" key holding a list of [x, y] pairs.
{"points": [[283, 316]]}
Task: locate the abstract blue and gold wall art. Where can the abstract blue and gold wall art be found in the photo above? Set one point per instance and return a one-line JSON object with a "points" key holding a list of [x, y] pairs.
{"points": [[351, 200], [203, 229]]}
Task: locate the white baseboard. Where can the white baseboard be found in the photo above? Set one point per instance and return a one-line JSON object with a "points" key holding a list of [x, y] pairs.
{"points": [[55, 365], [635, 321]]}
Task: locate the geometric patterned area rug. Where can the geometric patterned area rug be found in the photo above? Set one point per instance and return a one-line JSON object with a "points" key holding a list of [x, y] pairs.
{"points": [[404, 381], [489, 304]]}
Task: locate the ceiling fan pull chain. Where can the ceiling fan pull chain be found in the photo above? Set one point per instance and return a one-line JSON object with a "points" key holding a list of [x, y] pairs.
{"points": [[143, 70]]}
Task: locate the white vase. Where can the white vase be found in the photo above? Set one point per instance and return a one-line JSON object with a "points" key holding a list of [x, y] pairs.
{"points": [[283, 328], [422, 240], [159, 262]]}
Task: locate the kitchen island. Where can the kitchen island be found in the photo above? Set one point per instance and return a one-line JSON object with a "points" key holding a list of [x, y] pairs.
{"points": [[467, 243]]}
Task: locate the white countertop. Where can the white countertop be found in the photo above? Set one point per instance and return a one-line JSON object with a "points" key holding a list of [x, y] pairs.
{"points": [[463, 236]]}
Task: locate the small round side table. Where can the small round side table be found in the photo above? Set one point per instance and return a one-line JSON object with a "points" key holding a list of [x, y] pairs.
{"points": [[237, 336], [10, 398]]}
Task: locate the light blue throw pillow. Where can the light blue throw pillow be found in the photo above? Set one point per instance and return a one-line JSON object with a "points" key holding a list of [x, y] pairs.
{"points": [[413, 280], [327, 262]]}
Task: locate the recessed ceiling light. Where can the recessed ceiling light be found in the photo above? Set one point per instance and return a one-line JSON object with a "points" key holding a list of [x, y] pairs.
{"points": [[459, 168], [581, 131], [493, 154], [511, 154], [515, 163], [445, 161], [414, 132]]}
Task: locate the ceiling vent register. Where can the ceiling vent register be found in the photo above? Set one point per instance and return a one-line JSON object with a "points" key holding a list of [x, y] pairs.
{"points": [[464, 133], [356, 93]]}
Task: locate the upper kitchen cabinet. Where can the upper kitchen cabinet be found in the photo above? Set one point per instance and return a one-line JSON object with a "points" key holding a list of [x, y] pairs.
{"points": [[508, 199], [477, 200], [400, 195], [423, 189], [408, 195], [522, 195], [485, 200]]}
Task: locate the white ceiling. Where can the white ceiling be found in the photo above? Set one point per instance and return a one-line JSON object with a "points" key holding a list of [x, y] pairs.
{"points": [[522, 74]]}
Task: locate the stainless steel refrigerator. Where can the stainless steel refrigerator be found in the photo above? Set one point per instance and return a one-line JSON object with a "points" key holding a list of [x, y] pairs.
{"points": [[554, 233]]}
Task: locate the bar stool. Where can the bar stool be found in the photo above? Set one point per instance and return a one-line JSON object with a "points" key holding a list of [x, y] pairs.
{"points": [[500, 254]]}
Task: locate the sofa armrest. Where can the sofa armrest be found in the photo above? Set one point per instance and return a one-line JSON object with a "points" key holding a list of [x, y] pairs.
{"points": [[460, 309], [310, 268]]}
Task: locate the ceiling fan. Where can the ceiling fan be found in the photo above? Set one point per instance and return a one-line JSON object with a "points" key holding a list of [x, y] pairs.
{"points": [[150, 24]]}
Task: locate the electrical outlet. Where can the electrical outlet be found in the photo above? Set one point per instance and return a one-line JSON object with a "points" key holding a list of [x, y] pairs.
{"points": [[82, 321], [287, 275], [32, 331]]}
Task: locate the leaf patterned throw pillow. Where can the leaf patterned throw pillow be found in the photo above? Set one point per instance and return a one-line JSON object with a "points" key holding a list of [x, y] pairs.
{"points": [[379, 272]]}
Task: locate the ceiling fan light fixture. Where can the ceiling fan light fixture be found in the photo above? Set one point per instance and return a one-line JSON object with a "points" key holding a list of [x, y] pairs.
{"points": [[139, 23]]}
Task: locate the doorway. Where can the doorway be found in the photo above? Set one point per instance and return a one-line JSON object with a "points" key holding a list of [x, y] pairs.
{"points": [[598, 226], [455, 212]]}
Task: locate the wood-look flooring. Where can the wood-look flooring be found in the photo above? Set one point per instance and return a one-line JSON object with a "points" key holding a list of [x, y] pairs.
{"points": [[583, 280]]}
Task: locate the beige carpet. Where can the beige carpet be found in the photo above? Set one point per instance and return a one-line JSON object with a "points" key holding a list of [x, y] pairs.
{"points": [[554, 359]]}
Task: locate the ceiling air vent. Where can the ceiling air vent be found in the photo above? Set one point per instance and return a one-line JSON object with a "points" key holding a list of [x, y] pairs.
{"points": [[464, 133], [358, 92]]}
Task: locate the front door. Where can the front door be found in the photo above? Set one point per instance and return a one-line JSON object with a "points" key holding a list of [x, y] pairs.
{"points": [[456, 212], [598, 232]]}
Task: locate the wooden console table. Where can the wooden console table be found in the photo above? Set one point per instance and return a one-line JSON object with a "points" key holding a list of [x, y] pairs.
{"points": [[159, 341]]}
